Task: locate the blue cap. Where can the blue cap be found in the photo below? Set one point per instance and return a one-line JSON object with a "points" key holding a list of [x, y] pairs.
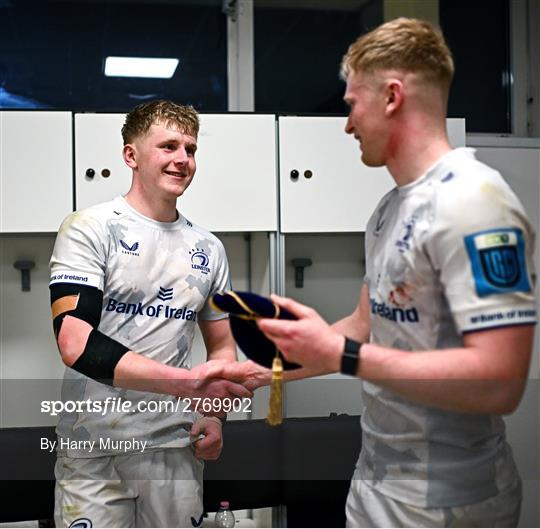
{"points": [[244, 309]]}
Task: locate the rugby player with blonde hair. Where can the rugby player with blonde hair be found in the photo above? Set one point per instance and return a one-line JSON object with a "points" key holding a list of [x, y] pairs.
{"points": [[443, 331]]}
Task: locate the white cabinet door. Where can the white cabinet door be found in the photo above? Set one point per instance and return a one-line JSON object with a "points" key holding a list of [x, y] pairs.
{"points": [[324, 186], [235, 186], [36, 190], [100, 171]]}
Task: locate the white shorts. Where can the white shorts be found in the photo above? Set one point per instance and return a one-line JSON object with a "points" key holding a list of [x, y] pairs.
{"points": [[161, 488], [366, 507]]}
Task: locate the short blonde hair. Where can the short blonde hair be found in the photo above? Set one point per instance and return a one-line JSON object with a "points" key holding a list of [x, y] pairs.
{"points": [[404, 44], [142, 117]]}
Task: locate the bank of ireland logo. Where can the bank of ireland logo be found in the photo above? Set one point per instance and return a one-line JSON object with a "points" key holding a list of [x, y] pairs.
{"points": [[129, 249], [498, 261], [165, 294], [199, 260]]}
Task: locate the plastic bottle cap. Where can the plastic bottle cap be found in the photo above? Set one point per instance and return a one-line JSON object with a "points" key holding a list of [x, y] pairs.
{"points": [[224, 504]]}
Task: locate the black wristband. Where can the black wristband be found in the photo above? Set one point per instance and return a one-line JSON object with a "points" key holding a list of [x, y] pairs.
{"points": [[351, 357]]}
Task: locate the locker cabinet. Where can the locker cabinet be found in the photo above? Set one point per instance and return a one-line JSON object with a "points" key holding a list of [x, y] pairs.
{"points": [[100, 171], [36, 190]]}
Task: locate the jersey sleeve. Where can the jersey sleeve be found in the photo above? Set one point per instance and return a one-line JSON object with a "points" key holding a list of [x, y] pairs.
{"points": [[79, 253], [221, 282], [483, 250]]}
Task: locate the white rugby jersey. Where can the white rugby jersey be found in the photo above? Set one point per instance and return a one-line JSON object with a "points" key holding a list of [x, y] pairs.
{"points": [[447, 254], [156, 278]]}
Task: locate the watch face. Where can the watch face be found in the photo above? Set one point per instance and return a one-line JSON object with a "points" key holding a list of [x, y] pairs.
{"points": [[350, 358], [352, 347]]}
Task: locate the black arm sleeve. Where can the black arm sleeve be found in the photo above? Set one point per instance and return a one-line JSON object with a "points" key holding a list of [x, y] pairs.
{"points": [[101, 353]]}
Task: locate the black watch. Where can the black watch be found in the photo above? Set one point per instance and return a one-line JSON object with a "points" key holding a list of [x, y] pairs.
{"points": [[351, 357]]}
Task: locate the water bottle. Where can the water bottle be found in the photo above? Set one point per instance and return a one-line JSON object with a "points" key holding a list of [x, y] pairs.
{"points": [[224, 515]]}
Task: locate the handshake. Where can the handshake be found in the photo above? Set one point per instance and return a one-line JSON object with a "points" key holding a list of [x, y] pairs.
{"points": [[277, 335], [223, 381]]}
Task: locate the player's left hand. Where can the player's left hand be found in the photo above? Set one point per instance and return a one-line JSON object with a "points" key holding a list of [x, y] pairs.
{"points": [[208, 447], [308, 341]]}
